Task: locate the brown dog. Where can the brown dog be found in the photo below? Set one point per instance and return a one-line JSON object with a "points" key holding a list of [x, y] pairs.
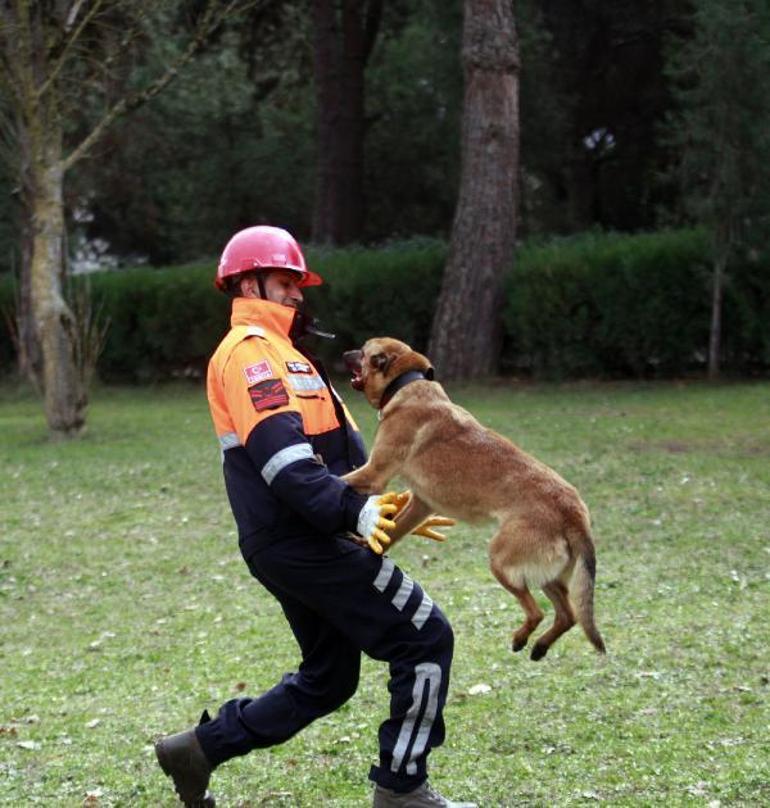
{"points": [[455, 466]]}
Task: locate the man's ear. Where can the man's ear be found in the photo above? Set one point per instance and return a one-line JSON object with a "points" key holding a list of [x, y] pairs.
{"points": [[382, 361], [248, 285]]}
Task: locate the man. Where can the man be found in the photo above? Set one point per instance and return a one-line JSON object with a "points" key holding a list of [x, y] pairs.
{"points": [[286, 437]]}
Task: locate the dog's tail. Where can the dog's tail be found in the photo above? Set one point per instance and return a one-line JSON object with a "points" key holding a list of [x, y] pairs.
{"points": [[581, 585]]}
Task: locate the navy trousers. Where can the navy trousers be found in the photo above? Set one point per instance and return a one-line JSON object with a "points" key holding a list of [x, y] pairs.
{"points": [[341, 600]]}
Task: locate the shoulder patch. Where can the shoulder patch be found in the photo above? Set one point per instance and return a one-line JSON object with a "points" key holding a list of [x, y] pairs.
{"points": [[268, 394], [304, 383], [258, 372], [298, 367]]}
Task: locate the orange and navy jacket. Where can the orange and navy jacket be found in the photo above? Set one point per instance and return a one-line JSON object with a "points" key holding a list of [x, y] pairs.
{"points": [[284, 433]]}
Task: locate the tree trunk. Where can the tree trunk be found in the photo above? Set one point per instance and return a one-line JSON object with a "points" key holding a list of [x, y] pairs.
{"points": [[350, 148], [64, 396], [30, 357], [328, 103], [715, 333], [467, 331], [341, 49]]}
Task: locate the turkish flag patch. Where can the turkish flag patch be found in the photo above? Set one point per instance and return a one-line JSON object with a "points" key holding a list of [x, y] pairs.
{"points": [[255, 373], [268, 395]]}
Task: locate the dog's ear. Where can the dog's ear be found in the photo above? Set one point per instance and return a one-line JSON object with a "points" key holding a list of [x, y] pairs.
{"points": [[382, 361]]}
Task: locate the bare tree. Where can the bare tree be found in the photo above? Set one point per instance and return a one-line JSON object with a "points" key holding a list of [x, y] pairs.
{"points": [[466, 335], [343, 41], [57, 56]]}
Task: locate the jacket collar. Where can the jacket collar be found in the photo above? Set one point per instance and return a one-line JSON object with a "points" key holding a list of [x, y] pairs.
{"points": [[274, 317]]}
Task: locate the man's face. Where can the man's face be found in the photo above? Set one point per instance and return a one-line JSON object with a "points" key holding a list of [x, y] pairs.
{"points": [[280, 287]]}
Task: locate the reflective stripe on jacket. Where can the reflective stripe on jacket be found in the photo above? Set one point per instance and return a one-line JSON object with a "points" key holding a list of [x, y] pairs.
{"points": [[282, 441]]}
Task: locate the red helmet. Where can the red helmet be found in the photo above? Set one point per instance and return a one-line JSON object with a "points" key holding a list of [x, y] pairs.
{"points": [[263, 247]]}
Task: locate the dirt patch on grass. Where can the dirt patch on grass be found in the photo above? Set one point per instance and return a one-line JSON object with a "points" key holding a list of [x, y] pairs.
{"points": [[737, 448]]}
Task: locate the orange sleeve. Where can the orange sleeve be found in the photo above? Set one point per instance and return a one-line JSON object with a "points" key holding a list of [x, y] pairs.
{"points": [[255, 386]]}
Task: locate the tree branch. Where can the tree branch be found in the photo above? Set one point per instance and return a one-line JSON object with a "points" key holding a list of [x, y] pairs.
{"points": [[73, 13], [131, 34], [62, 57], [210, 20], [19, 55], [9, 80], [8, 140]]}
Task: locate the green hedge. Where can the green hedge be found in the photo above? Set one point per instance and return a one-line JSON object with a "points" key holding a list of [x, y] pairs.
{"points": [[367, 293], [609, 304], [167, 322], [162, 321], [592, 305], [631, 305]]}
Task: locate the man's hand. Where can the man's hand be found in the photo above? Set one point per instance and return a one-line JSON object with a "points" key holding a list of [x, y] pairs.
{"points": [[377, 516], [426, 527]]}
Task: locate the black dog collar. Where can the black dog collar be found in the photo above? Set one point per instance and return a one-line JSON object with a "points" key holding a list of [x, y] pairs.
{"points": [[402, 381]]}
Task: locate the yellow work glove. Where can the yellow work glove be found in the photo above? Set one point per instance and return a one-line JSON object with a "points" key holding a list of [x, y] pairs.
{"points": [[426, 528], [376, 517], [400, 500]]}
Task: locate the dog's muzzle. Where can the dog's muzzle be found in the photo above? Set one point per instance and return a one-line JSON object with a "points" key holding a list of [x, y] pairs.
{"points": [[354, 365]]}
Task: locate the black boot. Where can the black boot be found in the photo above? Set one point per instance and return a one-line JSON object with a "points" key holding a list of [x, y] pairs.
{"points": [[181, 758]]}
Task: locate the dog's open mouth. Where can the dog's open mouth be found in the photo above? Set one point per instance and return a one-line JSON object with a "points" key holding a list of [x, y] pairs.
{"points": [[353, 362], [357, 382]]}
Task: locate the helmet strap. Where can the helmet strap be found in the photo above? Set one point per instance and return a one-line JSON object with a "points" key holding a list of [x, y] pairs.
{"points": [[261, 285]]}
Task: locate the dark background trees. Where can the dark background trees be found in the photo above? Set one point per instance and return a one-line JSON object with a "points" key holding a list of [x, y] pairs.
{"points": [[602, 65], [237, 139], [344, 125], [721, 131]]}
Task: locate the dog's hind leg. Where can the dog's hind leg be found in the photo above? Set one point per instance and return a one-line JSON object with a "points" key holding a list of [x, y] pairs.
{"points": [[523, 554], [563, 621], [533, 613]]}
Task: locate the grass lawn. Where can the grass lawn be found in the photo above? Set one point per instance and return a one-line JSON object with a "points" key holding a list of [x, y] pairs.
{"points": [[125, 609]]}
